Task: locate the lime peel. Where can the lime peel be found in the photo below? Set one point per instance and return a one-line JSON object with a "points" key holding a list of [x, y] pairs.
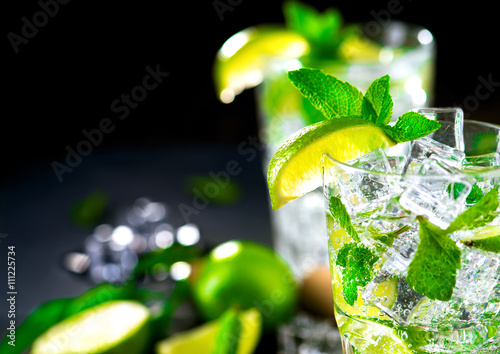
{"points": [[296, 167], [112, 327]]}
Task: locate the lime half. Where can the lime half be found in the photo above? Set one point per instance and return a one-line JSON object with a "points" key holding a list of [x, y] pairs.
{"points": [[296, 167], [202, 338], [112, 327]]}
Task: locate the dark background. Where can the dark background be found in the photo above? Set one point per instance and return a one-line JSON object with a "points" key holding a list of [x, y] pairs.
{"points": [[64, 80], [66, 77]]}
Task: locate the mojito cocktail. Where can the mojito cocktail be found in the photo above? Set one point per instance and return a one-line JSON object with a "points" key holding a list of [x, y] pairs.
{"points": [[413, 218]]}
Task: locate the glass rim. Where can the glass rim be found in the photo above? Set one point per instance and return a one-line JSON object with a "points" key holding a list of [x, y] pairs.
{"points": [[412, 31], [486, 172]]}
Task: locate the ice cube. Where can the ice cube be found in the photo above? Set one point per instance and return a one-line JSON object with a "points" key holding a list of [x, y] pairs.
{"points": [[439, 195], [452, 124], [362, 190], [478, 275], [425, 148], [397, 163]]}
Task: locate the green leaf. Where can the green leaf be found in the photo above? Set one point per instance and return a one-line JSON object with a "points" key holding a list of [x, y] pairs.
{"points": [[377, 102], [332, 97], [357, 269], [323, 31], [40, 320], [162, 321], [228, 336], [432, 272], [412, 126], [477, 215], [339, 212]]}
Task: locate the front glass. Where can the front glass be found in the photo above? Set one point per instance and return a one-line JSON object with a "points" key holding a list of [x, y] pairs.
{"points": [[398, 238], [407, 54]]}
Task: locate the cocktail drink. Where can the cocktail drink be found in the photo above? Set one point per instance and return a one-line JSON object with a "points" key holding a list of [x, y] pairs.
{"points": [[414, 242], [413, 218]]}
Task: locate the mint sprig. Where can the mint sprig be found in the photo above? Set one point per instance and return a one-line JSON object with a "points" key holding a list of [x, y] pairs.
{"points": [[432, 272], [324, 31], [337, 99], [331, 96], [355, 259]]}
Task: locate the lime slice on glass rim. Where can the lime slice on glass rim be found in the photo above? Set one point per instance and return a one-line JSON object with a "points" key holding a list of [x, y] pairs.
{"points": [[202, 339], [120, 326], [243, 59], [296, 167]]}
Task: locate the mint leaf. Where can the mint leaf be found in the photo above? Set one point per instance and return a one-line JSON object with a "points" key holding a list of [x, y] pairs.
{"points": [[323, 31], [331, 96], [477, 215], [432, 272], [411, 126], [357, 269], [377, 102], [229, 333], [340, 214]]}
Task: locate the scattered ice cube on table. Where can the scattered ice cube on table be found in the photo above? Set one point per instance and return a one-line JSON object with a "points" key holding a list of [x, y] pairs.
{"points": [[439, 195], [452, 124], [425, 148]]}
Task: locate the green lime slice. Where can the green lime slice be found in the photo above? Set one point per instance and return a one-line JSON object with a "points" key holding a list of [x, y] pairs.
{"points": [[486, 238], [296, 167], [113, 327], [242, 60], [202, 339], [372, 338]]}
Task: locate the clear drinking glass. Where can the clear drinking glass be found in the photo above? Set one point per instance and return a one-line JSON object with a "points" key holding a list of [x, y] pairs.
{"points": [[407, 55], [386, 198]]}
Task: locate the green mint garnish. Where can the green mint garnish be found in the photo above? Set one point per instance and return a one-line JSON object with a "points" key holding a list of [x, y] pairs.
{"points": [[340, 214], [337, 99], [490, 244], [357, 269], [412, 126], [477, 215], [389, 237], [356, 259], [377, 102], [432, 272], [331, 96], [323, 31]]}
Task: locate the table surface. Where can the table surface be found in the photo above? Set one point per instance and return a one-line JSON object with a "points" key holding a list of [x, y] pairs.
{"points": [[35, 209]]}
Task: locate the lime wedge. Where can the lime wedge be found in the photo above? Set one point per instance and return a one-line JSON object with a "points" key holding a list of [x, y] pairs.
{"points": [[202, 338], [372, 338], [296, 167], [113, 327], [242, 60], [486, 238]]}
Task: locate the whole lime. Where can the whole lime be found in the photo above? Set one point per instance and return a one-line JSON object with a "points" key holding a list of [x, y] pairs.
{"points": [[246, 274]]}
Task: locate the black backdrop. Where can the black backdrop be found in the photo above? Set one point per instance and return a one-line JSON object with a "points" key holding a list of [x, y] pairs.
{"points": [[84, 55]]}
